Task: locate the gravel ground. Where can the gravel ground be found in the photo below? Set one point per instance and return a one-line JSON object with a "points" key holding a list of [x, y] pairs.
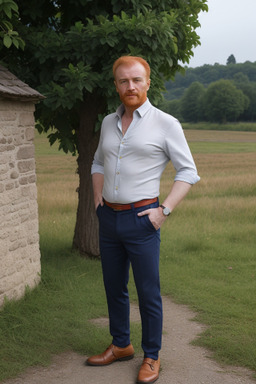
{"points": [[181, 363]]}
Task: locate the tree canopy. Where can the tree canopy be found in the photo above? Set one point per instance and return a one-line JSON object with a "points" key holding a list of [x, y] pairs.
{"points": [[231, 60], [70, 48], [224, 102], [192, 102], [207, 74]]}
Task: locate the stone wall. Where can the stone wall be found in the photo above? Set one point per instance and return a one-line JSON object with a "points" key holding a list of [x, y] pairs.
{"points": [[19, 240]]}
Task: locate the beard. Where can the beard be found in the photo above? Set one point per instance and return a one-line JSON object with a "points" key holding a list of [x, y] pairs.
{"points": [[135, 101]]}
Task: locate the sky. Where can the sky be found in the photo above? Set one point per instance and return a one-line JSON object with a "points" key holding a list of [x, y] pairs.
{"points": [[229, 27]]}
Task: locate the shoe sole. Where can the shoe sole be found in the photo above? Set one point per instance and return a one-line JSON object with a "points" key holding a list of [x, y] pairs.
{"points": [[125, 358]]}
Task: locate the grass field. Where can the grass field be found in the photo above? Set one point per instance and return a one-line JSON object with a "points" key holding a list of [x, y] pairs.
{"points": [[207, 261]]}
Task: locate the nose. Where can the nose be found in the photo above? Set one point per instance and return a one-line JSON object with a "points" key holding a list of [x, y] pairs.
{"points": [[130, 85]]}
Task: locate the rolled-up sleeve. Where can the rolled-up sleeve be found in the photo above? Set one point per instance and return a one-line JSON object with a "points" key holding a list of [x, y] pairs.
{"points": [[97, 167], [179, 153], [98, 161], [188, 175]]}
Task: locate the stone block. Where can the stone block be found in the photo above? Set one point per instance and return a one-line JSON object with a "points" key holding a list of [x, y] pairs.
{"points": [[18, 140], [5, 158], [4, 169], [23, 180], [26, 165], [26, 152], [4, 176], [8, 116], [14, 175], [9, 186], [26, 119], [33, 239], [10, 147], [30, 134], [17, 244], [32, 179]]}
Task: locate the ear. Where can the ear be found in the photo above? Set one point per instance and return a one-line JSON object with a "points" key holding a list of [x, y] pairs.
{"points": [[148, 84]]}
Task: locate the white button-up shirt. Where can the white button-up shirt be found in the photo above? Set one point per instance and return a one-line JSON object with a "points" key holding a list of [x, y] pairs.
{"points": [[133, 163]]}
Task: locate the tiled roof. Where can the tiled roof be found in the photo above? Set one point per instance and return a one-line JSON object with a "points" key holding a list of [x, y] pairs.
{"points": [[13, 88]]}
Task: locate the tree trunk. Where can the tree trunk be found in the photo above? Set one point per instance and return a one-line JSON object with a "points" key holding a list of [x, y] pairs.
{"points": [[86, 230]]}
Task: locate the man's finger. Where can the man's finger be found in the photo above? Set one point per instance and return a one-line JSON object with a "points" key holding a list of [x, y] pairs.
{"points": [[143, 213]]}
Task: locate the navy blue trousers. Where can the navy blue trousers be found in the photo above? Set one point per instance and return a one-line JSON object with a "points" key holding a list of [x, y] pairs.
{"points": [[128, 239]]}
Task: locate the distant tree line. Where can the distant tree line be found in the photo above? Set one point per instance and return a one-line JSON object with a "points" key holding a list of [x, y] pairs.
{"points": [[215, 93]]}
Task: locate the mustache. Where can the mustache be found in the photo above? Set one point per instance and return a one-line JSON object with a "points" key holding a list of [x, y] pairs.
{"points": [[131, 94]]}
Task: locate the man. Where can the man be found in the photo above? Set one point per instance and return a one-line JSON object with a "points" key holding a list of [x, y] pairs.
{"points": [[135, 145]]}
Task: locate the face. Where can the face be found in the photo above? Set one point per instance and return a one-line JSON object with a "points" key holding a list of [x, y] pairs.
{"points": [[132, 85]]}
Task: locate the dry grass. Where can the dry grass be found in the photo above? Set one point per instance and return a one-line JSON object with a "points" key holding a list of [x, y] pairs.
{"points": [[57, 180], [221, 136]]}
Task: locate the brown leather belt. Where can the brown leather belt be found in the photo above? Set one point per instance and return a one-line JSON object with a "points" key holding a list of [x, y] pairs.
{"points": [[125, 207]]}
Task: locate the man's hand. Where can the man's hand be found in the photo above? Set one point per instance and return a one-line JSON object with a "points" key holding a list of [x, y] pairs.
{"points": [[155, 215], [178, 192], [98, 201], [97, 182]]}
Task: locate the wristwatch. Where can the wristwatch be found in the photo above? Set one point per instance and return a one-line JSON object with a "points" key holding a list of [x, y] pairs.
{"points": [[166, 210]]}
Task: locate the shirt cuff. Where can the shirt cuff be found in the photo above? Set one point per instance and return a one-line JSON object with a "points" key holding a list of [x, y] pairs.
{"points": [[96, 168], [187, 176]]}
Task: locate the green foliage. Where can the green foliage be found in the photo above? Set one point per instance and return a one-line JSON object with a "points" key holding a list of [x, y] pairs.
{"points": [[192, 102], [242, 76], [224, 102], [9, 14], [172, 107], [249, 89], [231, 60], [71, 46], [207, 74]]}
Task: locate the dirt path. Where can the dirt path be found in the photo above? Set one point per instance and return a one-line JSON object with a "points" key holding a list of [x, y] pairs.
{"points": [[181, 362]]}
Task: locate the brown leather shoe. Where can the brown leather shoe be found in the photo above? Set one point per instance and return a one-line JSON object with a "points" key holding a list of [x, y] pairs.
{"points": [[149, 371], [112, 354]]}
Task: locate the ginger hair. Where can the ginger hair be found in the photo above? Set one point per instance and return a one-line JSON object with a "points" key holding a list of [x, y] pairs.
{"points": [[130, 60]]}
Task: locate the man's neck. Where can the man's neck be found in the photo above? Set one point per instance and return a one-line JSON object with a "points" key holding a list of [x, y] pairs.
{"points": [[128, 111]]}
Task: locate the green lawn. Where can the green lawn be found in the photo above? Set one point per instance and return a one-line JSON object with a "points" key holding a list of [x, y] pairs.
{"points": [[207, 260]]}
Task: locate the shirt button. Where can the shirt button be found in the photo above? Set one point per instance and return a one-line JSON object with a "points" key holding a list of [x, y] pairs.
{"points": [[116, 188], [120, 157]]}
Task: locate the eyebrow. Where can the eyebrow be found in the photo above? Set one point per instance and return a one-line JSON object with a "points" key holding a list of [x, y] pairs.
{"points": [[134, 78]]}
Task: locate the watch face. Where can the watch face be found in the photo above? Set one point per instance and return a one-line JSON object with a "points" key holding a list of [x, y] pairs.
{"points": [[166, 211]]}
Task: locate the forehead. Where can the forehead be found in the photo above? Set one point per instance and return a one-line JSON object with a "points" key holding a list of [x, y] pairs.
{"points": [[130, 71]]}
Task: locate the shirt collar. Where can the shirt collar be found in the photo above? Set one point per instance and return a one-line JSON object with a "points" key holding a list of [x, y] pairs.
{"points": [[142, 110]]}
